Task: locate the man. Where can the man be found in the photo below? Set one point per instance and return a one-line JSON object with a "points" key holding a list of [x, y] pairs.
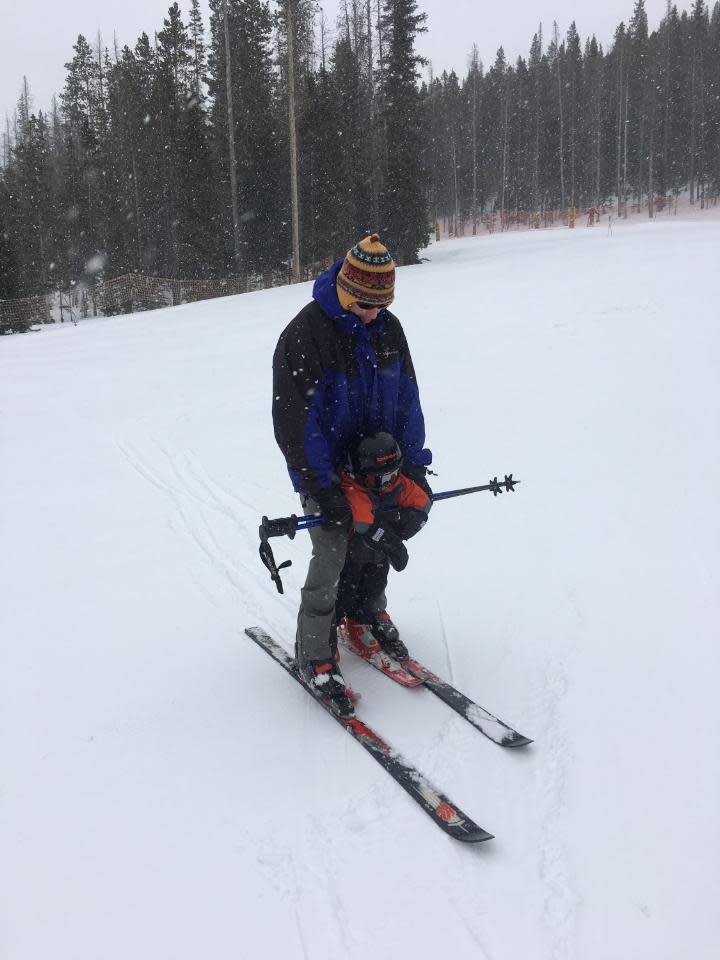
{"points": [[341, 369]]}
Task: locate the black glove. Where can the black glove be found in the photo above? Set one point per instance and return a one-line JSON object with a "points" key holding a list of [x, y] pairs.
{"points": [[335, 509], [418, 473], [408, 521], [381, 537]]}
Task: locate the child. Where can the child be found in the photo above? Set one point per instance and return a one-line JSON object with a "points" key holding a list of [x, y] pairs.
{"points": [[387, 508]]}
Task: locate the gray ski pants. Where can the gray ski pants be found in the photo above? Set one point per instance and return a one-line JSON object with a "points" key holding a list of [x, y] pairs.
{"points": [[316, 617]]}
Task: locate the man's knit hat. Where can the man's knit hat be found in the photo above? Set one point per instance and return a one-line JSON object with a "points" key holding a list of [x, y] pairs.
{"points": [[367, 275]]}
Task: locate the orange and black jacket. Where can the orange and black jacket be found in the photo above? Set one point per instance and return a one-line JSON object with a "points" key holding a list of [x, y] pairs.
{"points": [[364, 502]]}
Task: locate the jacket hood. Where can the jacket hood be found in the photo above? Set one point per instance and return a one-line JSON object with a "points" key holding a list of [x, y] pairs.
{"points": [[325, 294]]}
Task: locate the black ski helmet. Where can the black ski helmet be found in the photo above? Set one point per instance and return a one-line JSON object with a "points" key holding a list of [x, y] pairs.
{"points": [[376, 460]]}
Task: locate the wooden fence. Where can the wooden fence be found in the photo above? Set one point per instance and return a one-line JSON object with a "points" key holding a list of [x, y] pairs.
{"points": [[17, 316], [127, 294], [134, 291]]}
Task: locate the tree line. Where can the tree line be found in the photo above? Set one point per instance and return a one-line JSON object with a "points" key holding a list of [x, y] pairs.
{"points": [[269, 146], [573, 125]]}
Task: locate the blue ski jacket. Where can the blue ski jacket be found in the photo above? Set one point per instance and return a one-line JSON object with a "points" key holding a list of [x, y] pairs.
{"points": [[334, 378]]}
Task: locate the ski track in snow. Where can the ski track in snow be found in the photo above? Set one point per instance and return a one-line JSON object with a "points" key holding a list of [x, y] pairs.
{"points": [[191, 494], [555, 871], [555, 865]]}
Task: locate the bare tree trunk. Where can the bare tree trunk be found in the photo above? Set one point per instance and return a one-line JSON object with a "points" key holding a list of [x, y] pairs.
{"points": [[374, 185], [598, 143], [560, 108], [651, 185], [455, 182], [536, 158], [562, 150], [380, 37], [381, 71], [666, 98], [231, 144], [323, 30], [6, 149], [625, 131], [597, 168], [504, 168], [290, 10], [101, 75], [618, 149], [475, 164], [137, 210], [692, 131]]}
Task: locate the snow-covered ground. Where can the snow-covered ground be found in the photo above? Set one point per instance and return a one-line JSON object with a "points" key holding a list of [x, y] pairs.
{"points": [[168, 793]]}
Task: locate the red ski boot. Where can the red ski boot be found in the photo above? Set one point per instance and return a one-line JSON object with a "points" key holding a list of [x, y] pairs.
{"points": [[358, 637]]}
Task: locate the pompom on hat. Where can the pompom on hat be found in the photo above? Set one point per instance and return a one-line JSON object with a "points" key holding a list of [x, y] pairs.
{"points": [[367, 275]]}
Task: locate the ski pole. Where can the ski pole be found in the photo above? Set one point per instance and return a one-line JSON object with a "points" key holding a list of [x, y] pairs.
{"points": [[315, 519], [288, 526]]}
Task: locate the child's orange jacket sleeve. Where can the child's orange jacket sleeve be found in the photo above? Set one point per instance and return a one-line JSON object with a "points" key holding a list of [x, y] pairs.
{"points": [[413, 495], [361, 505]]}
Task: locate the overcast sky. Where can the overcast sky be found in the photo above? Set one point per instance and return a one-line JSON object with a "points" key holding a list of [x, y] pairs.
{"points": [[38, 35]]}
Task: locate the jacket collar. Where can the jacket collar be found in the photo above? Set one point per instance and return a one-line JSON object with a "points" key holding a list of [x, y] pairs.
{"points": [[325, 294]]}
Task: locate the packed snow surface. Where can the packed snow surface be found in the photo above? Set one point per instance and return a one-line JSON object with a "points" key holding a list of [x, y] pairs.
{"points": [[168, 793]]}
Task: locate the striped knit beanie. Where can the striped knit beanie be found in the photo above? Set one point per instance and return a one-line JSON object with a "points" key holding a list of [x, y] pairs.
{"points": [[367, 275]]}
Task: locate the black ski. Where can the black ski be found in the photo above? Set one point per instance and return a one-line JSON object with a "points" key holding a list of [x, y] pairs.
{"points": [[441, 810], [481, 719]]}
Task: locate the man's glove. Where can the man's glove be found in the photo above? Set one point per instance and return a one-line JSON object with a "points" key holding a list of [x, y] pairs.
{"points": [[408, 521], [335, 510], [381, 537], [418, 473]]}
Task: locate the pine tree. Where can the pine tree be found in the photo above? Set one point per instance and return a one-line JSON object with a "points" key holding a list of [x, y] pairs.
{"points": [[28, 215], [637, 97], [80, 188], [173, 63], [404, 200], [699, 31], [9, 287], [256, 121], [575, 103], [198, 55], [535, 68], [472, 95]]}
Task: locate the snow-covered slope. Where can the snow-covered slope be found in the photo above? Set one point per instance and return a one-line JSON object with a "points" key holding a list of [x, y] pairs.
{"points": [[168, 792]]}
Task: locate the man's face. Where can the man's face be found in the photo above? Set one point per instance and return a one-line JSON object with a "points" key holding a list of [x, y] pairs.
{"points": [[367, 315]]}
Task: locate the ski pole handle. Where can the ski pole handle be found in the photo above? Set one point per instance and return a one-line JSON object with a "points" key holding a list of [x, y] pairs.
{"points": [[280, 527]]}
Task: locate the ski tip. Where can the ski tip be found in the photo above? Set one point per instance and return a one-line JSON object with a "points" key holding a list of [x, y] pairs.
{"points": [[475, 834], [478, 835], [518, 740]]}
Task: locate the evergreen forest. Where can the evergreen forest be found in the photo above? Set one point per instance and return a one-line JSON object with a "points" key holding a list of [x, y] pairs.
{"points": [[269, 142]]}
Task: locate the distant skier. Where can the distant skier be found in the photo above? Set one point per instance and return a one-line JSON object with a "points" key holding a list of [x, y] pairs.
{"points": [[342, 369]]}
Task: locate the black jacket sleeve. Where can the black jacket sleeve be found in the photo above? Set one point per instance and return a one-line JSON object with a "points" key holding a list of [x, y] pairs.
{"points": [[410, 424], [297, 378]]}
